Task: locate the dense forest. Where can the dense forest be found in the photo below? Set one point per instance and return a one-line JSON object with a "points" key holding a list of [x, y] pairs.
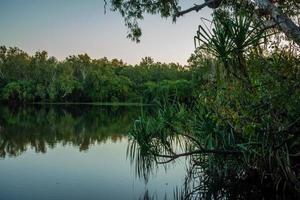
{"points": [[39, 78]]}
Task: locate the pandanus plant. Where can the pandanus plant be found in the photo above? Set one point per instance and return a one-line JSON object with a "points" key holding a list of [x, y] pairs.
{"points": [[229, 39]]}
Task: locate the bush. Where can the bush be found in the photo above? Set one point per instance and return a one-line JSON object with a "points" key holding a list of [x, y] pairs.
{"points": [[18, 91]]}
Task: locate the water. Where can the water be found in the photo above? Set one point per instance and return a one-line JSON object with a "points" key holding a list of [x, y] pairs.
{"points": [[75, 152]]}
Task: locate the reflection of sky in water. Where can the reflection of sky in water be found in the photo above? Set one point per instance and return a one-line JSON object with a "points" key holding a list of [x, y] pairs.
{"points": [[65, 172]]}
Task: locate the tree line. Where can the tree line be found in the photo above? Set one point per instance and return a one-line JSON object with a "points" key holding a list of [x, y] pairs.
{"points": [[40, 78]]}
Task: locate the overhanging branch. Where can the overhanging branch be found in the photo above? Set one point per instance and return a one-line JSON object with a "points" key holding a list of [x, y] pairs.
{"points": [[198, 151], [196, 8]]}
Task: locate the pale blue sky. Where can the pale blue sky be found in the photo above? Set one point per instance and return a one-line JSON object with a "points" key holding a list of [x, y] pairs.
{"points": [[67, 27]]}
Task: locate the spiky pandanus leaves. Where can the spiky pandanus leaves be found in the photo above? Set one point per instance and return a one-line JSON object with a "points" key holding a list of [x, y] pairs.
{"points": [[152, 136], [229, 39]]}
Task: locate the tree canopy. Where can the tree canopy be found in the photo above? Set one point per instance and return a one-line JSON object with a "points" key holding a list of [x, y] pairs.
{"points": [[272, 13]]}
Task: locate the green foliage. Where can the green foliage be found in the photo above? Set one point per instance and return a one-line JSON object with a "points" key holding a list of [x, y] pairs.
{"points": [[234, 133], [231, 38], [25, 78], [132, 11], [240, 135], [18, 91], [169, 91]]}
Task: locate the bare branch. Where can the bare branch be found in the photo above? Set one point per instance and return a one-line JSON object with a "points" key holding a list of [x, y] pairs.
{"points": [[198, 151], [194, 8]]}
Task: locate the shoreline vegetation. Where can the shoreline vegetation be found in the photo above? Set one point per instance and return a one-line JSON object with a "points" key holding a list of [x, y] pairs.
{"points": [[92, 103]]}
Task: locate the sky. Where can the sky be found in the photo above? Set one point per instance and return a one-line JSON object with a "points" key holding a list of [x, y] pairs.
{"points": [[71, 27]]}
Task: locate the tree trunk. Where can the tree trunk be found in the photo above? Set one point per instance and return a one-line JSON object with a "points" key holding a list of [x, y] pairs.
{"points": [[283, 22]]}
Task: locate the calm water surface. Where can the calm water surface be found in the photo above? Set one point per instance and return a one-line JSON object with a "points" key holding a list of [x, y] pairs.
{"points": [[75, 152]]}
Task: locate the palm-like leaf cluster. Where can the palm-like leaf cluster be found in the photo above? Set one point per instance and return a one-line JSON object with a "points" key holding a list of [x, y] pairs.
{"points": [[229, 39]]}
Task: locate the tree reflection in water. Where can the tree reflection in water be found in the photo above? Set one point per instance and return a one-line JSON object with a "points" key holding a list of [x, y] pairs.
{"points": [[43, 127]]}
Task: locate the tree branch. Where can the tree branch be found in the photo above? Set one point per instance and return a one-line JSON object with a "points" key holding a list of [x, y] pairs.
{"points": [[198, 151], [279, 19], [194, 8], [283, 22]]}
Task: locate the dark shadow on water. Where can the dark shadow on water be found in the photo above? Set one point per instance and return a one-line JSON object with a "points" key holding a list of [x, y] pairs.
{"points": [[200, 182]]}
